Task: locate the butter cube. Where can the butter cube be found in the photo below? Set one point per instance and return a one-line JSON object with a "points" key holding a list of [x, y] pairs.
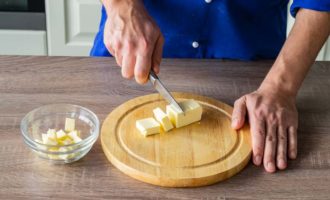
{"points": [[148, 126], [192, 113], [163, 119], [60, 134], [74, 136], [65, 140], [47, 140], [51, 133], [64, 150], [69, 124]]}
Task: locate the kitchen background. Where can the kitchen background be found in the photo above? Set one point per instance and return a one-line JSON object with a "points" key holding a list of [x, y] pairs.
{"points": [[59, 27]]}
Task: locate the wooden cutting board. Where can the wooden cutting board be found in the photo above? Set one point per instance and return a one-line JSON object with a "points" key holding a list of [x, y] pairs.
{"points": [[199, 154]]}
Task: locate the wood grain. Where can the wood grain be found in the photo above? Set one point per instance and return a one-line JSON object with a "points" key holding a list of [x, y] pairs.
{"points": [[200, 154], [95, 83]]}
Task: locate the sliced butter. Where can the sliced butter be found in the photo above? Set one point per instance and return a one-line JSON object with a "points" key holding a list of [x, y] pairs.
{"points": [[163, 119], [69, 124], [48, 140], [51, 133], [60, 134], [66, 140], [192, 113], [64, 150], [74, 136], [148, 126]]}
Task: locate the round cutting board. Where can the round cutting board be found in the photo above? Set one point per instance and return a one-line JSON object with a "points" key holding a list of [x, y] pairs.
{"points": [[199, 154]]}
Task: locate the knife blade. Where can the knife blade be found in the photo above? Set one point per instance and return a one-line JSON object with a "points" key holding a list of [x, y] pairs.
{"points": [[163, 91]]}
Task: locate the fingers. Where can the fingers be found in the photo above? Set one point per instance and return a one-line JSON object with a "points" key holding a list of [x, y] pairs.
{"points": [[127, 69], [115, 49], [292, 142], [281, 157], [270, 149], [119, 58], [258, 139], [133, 64], [273, 124], [239, 112], [142, 68], [157, 54], [150, 54], [111, 50], [116, 54]]}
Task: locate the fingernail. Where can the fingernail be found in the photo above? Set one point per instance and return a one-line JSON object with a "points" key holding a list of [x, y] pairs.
{"points": [[282, 164], [270, 166], [257, 160], [234, 123], [293, 154]]}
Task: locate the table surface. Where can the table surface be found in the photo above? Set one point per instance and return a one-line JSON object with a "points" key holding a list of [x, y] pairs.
{"points": [[29, 82]]}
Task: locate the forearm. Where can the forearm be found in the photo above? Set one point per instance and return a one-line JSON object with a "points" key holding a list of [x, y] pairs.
{"points": [[309, 33]]}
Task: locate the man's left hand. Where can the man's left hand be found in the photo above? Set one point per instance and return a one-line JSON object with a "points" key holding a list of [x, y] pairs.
{"points": [[273, 122]]}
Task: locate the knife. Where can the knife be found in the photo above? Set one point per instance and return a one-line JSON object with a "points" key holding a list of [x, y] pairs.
{"points": [[159, 86]]}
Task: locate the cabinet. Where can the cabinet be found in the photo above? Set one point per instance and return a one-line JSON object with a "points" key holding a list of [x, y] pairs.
{"points": [[23, 42], [71, 26]]}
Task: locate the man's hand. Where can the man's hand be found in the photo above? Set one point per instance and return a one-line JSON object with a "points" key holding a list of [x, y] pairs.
{"points": [[273, 119], [133, 38], [271, 109]]}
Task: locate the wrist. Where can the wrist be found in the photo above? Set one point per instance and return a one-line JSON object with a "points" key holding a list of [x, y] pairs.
{"points": [[110, 5], [273, 87], [279, 81], [284, 77]]}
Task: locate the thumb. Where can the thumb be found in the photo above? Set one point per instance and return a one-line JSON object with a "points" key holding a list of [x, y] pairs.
{"points": [[239, 112]]}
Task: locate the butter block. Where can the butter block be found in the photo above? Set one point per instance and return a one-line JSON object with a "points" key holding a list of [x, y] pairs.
{"points": [[192, 113], [60, 134], [47, 140], [163, 119], [74, 136], [65, 156], [69, 124], [51, 133], [65, 140], [148, 126]]}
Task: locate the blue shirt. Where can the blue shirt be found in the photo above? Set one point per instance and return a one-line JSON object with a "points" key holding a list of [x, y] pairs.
{"points": [[232, 29]]}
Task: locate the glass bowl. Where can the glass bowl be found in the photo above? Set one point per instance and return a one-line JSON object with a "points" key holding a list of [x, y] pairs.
{"points": [[38, 121]]}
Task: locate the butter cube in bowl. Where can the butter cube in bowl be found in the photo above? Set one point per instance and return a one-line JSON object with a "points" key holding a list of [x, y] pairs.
{"points": [[61, 133]]}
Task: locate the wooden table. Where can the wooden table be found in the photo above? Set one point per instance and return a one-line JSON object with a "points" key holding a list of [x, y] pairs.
{"points": [[29, 82]]}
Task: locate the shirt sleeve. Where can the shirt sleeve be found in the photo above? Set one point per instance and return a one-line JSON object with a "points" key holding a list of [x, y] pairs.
{"points": [[319, 5]]}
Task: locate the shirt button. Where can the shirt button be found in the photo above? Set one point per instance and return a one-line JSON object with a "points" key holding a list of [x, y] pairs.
{"points": [[208, 1], [195, 44]]}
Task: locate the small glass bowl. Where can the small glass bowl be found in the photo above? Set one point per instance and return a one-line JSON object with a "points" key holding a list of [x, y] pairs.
{"points": [[53, 116]]}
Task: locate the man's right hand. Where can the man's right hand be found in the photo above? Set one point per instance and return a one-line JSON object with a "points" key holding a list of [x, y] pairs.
{"points": [[133, 38]]}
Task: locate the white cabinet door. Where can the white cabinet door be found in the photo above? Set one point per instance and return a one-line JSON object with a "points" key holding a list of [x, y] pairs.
{"points": [[23, 42], [325, 51], [71, 26]]}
